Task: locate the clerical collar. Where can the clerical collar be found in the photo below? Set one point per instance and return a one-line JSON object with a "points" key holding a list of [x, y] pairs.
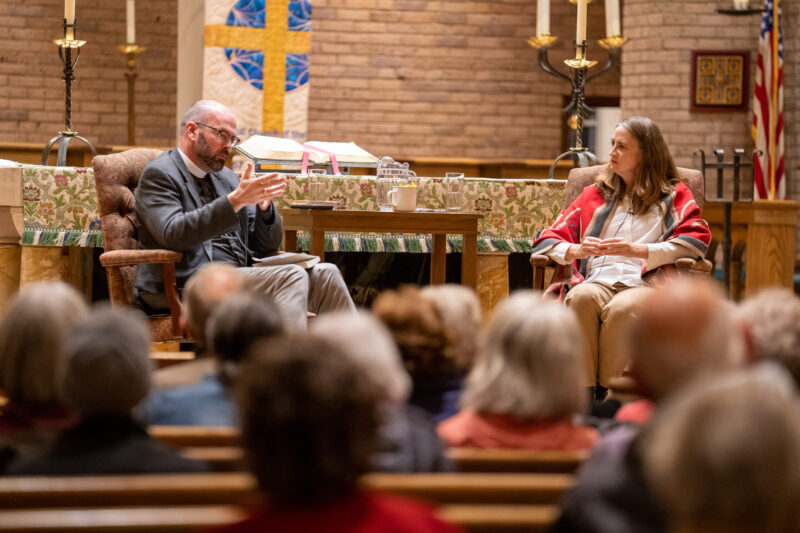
{"points": [[196, 171]]}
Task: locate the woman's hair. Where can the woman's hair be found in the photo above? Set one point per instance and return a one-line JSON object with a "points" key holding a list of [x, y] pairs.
{"points": [[32, 335], [531, 364], [724, 455], [367, 342], [309, 419], [656, 174], [460, 310], [428, 347]]}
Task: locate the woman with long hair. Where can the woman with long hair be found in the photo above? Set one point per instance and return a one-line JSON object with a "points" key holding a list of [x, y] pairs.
{"points": [[636, 217]]}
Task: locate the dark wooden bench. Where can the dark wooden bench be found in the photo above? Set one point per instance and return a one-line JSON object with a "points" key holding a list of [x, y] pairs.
{"points": [[175, 519], [219, 447], [480, 502], [241, 489]]}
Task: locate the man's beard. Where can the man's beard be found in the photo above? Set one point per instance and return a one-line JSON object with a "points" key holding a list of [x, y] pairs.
{"points": [[208, 157]]}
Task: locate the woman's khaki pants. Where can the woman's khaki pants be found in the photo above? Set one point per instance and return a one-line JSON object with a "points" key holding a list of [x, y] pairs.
{"points": [[604, 314]]}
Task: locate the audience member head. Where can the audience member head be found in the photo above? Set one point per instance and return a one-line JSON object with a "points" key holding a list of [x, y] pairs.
{"points": [[460, 310], [773, 320], [107, 370], [32, 335], [309, 419], [203, 293], [367, 342], [684, 331], [531, 364], [428, 347], [240, 321], [724, 455]]}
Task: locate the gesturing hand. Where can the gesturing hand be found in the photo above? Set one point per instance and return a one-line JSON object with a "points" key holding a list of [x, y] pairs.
{"points": [[256, 189]]}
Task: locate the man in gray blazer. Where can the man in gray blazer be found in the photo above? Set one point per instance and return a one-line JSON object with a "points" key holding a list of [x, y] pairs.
{"points": [[188, 201]]}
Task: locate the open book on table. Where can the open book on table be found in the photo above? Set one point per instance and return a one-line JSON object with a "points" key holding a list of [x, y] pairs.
{"points": [[287, 258], [261, 147]]}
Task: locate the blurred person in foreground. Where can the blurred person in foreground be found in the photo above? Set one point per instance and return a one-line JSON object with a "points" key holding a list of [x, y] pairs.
{"points": [[309, 428], [726, 455], [772, 318], [32, 333], [407, 438], [525, 387], [686, 332], [435, 351], [107, 372], [238, 322], [202, 294]]}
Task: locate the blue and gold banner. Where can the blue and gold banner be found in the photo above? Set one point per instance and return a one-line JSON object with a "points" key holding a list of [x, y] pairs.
{"points": [[256, 63]]}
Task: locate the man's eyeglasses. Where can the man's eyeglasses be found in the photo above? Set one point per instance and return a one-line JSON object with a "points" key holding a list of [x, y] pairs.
{"points": [[224, 136]]}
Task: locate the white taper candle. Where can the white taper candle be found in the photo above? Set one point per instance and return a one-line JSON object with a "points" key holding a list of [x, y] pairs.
{"points": [[542, 17]]}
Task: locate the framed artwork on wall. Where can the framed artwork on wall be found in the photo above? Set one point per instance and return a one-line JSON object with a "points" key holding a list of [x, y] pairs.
{"points": [[719, 80]]}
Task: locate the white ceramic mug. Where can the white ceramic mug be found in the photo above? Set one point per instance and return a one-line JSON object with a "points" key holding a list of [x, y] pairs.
{"points": [[403, 198]]}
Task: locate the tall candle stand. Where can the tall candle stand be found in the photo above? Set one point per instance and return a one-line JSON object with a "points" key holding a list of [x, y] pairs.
{"points": [[65, 53], [578, 78], [130, 50]]}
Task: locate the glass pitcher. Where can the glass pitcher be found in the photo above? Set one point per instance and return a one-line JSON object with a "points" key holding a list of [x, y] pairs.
{"points": [[390, 174]]}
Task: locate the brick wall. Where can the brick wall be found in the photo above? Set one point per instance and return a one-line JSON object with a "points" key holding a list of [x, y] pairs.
{"points": [[31, 90], [452, 79], [400, 77], [656, 73]]}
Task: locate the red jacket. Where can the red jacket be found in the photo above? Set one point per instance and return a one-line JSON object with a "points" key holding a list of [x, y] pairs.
{"points": [[590, 213]]}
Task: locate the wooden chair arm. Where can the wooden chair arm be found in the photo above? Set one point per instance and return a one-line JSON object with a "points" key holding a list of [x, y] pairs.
{"points": [[695, 266], [138, 257], [542, 261]]}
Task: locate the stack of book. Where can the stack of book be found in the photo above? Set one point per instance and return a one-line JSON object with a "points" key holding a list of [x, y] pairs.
{"points": [[263, 150]]}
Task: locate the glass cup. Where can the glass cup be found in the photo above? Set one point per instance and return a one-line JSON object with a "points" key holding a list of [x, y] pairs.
{"points": [[454, 191], [316, 185], [386, 180]]}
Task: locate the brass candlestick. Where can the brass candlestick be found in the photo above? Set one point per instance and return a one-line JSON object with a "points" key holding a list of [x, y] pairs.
{"points": [[130, 50], [65, 48]]}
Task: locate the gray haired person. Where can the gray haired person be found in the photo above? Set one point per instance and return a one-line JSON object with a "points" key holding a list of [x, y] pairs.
{"points": [[107, 372]]}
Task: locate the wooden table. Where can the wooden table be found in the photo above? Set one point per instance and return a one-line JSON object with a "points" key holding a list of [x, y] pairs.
{"points": [[439, 224]]}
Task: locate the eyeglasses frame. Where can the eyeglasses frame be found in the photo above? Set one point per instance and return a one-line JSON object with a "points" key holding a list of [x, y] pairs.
{"points": [[222, 134]]}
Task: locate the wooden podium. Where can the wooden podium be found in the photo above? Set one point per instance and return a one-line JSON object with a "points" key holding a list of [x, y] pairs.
{"points": [[766, 231]]}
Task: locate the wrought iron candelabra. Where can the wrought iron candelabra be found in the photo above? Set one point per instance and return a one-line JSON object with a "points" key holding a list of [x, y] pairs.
{"points": [[578, 77], [66, 46]]}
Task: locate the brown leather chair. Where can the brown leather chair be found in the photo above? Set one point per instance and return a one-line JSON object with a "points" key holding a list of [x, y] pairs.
{"points": [[578, 179], [116, 177]]}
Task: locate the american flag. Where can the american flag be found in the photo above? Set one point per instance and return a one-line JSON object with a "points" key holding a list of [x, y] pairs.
{"points": [[768, 106]]}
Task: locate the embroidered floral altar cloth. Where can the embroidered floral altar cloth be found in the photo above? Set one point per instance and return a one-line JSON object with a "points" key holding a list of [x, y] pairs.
{"points": [[60, 209]]}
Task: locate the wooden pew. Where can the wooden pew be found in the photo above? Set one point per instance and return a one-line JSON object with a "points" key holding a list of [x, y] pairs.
{"points": [[174, 519], [241, 489], [219, 447], [499, 460], [195, 436], [231, 459]]}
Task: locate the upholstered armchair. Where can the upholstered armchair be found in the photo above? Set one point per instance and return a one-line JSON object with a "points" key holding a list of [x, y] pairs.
{"points": [[543, 266], [116, 177]]}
